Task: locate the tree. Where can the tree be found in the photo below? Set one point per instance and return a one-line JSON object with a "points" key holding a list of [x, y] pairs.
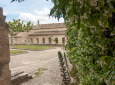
{"points": [[17, 0], [16, 27], [27, 28]]}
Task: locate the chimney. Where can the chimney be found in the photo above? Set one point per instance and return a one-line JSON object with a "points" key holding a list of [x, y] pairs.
{"points": [[38, 22]]}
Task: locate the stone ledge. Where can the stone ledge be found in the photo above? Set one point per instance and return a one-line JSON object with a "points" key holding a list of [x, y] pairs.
{"points": [[17, 73], [19, 77]]}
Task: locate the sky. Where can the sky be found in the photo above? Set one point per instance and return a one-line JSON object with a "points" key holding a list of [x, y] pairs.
{"points": [[29, 10]]}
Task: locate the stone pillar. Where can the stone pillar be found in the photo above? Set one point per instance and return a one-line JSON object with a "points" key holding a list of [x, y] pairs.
{"points": [[5, 74]]}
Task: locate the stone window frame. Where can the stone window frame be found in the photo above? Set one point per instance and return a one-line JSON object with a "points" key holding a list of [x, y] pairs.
{"points": [[37, 39], [63, 40], [50, 41], [43, 39], [31, 40], [56, 40]]}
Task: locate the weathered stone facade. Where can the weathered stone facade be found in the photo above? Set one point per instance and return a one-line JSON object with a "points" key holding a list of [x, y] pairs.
{"points": [[43, 34], [5, 74]]}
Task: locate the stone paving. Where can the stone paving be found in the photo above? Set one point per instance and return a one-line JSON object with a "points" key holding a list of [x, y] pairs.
{"points": [[32, 61]]}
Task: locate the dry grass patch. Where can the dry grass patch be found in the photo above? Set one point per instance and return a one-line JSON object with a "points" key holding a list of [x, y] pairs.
{"points": [[39, 72]]}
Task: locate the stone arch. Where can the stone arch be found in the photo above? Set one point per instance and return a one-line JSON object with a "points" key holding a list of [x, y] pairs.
{"points": [[63, 40], [37, 39], [50, 40], [56, 40], [43, 39]]}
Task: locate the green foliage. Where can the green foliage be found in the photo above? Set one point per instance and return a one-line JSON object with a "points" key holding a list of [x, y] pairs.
{"points": [[17, 0], [28, 26], [16, 27], [40, 71], [108, 64], [65, 74], [56, 40], [74, 75], [90, 44]]}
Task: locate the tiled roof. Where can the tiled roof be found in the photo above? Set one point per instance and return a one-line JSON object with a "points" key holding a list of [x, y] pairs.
{"points": [[49, 33], [45, 26]]}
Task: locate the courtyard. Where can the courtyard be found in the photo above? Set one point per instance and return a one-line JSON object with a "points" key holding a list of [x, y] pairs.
{"points": [[33, 60]]}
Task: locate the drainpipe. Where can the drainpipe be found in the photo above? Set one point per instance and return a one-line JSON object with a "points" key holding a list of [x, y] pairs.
{"points": [[26, 42]]}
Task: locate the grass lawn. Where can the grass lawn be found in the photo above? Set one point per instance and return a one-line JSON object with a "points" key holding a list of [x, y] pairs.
{"points": [[16, 51], [32, 47]]}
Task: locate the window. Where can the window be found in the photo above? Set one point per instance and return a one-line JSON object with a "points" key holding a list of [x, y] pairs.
{"points": [[63, 40], [37, 40], [31, 40], [43, 40], [56, 40], [50, 40]]}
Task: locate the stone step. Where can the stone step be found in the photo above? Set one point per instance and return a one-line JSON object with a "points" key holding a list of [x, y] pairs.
{"points": [[19, 77]]}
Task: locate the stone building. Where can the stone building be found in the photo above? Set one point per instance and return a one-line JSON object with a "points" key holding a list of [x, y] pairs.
{"points": [[42, 34]]}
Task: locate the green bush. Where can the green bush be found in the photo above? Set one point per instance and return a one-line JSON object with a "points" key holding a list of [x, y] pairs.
{"points": [[89, 38]]}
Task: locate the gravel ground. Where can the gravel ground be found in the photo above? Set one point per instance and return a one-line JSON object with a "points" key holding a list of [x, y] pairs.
{"points": [[32, 61]]}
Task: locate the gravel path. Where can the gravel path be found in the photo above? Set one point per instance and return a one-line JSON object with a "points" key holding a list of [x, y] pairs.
{"points": [[32, 61]]}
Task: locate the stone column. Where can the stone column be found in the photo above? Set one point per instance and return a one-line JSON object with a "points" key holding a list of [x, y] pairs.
{"points": [[5, 74]]}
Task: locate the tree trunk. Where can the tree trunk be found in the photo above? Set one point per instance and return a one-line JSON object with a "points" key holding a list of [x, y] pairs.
{"points": [[12, 44]]}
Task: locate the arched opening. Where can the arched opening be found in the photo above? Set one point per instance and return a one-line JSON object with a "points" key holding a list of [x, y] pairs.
{"points": [[63, 40], [37, 40], [56, 40], [50, 40], [43, 40]]}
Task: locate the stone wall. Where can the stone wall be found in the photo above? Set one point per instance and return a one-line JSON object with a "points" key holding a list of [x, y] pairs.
{"points": [[34, 39], [5, 74]]}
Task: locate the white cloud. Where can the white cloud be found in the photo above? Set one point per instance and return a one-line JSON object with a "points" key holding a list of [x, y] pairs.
{"points": [[45, 12], [42, 16]]}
